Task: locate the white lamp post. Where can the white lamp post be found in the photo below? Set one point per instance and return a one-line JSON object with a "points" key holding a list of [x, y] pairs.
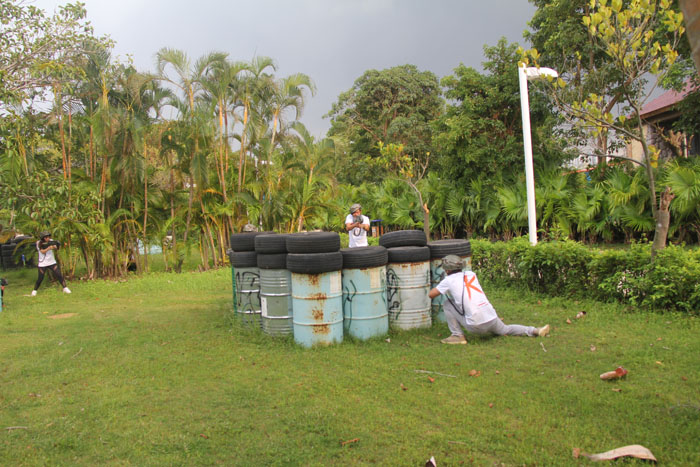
{"points": [[525, 74]]}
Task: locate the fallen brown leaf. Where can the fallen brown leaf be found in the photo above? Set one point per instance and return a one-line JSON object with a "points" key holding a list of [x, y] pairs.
{"points": [[617, 390], [684, 378], [474, 373], [432, 380], [659, 363], [576, 452], [204, 436], [593, 348], [354, 440], [658, 338], [490, 405], [498, 372], [568, 321], [403, 387]]}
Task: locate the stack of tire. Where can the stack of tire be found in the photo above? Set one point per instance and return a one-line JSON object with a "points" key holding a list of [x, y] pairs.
{"points": [[16, 252], [315, 262], [246, 278], [365, 313], [275, 284], [438, 250], [408, 279]]}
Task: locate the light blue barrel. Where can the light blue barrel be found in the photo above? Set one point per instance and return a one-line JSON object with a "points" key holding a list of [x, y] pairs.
{"points": [[276, 301], [318, 308], [408, 285], [248, 295], [365, 312], [437, 274]]}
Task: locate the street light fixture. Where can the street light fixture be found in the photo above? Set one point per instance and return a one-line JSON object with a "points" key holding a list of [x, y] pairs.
{"points": [[525, 74]]}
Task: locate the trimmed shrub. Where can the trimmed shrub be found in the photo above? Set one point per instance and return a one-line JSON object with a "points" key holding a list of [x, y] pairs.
{"points": [[571, 269]]}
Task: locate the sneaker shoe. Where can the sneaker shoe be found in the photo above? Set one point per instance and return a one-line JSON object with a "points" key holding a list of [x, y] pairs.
{"points": [[543, 331], [66, 290], [454, 340], [33, 293]]}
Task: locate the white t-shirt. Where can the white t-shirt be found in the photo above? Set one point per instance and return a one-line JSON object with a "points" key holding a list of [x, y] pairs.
{"points": [[358, 235], [45, 259], [464, 287]]}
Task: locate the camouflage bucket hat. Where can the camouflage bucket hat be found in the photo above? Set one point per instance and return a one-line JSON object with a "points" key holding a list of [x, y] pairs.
{"points": [[355, 207], [452, 263]]}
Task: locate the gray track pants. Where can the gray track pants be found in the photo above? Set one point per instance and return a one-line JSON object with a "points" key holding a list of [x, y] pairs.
{"points": [[456, 322]]}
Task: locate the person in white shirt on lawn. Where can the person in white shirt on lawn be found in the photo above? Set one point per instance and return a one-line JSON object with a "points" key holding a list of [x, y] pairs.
{"points": [[467, 306], [47, 261], [357, 226]]}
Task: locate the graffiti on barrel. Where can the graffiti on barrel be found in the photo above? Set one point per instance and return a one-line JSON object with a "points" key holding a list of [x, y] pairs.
{"points": [[248, 296], [347, 303], [392, 292]]}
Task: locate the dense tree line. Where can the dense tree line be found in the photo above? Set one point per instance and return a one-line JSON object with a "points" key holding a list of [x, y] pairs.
{"points": [[115, 160]]}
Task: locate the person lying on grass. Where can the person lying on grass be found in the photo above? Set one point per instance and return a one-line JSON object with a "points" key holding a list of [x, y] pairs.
{"points": [[467, 306]]}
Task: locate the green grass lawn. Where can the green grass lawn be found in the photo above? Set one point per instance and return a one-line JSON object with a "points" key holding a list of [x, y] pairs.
{"points": [[156, 371]]}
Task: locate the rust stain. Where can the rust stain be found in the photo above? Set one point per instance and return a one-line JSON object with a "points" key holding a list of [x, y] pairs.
{"points": [[317, 314], [317, 296], [314, 279], [321, 329]]}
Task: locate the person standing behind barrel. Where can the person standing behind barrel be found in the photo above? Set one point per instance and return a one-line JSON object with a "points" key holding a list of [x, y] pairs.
{"points": [[357, 226], [47, 261]]}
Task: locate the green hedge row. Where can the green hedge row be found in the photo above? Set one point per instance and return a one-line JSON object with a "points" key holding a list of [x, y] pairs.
{"points": [[567, 268]]}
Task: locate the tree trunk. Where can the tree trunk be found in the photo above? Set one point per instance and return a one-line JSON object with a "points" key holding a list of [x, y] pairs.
{"points": [[663, 219]]}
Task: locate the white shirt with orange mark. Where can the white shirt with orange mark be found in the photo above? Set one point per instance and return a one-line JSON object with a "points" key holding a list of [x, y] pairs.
{"points": [[465, 292]]}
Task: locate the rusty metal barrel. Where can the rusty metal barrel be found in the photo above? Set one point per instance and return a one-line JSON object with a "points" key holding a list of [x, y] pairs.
{"points": [[365, 313], [408, 284], [316, 297], [318, 308]]}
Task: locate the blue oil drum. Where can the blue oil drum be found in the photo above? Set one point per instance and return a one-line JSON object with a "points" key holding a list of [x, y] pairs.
{"points": [[276, 301], [318, 309], [365, 312], [408, 285], [248, 295]]}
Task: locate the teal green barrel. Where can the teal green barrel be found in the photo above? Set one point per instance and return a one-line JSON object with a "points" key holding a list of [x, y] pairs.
{"points": [[437, 274], [318, 310], [408, 285], [248, 295], [276, 301], [365, 310]]}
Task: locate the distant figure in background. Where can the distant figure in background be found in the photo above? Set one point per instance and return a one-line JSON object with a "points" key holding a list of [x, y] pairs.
{"points": [[357, 226], [249, 228], [467, 306], [47, 261]]}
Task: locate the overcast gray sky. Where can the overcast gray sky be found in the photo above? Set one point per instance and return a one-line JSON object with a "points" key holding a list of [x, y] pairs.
{"points": [[332, 41]]}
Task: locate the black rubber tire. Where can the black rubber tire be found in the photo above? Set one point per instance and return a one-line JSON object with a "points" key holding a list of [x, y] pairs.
{"points": [[442, 248], [313, 242], [403, 238], [272, 261], [409, 254], [244, 241], [244, 259], [8, 249], [364, 257], [271, 243], [315, 263]]}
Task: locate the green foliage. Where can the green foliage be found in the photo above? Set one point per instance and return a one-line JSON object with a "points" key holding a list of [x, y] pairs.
{"points": [[480, 134], [564, 268], [395, 105]]}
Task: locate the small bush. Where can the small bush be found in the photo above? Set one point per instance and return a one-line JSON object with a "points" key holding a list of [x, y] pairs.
{"points": [[565, 268]]}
